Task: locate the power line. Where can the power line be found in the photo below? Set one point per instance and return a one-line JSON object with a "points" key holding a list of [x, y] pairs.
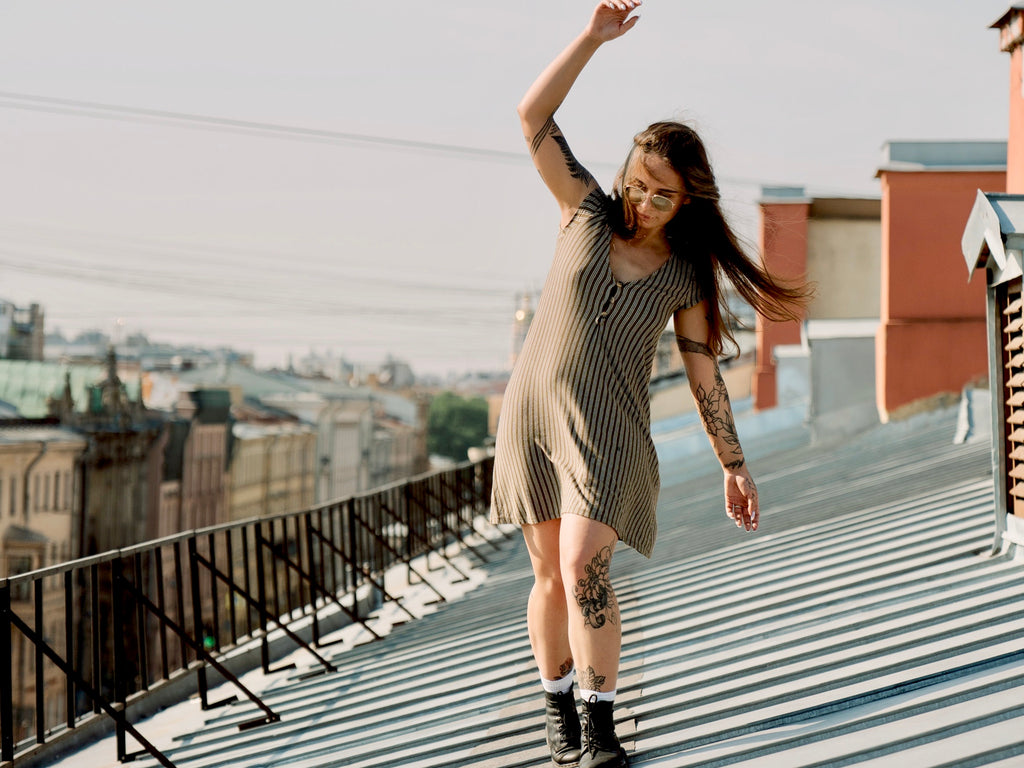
{"points": [[184, 119], [99, 110]]}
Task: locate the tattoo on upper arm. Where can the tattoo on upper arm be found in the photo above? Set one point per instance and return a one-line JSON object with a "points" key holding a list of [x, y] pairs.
{"points": [[689, 345], [544, 130], [594, 593], [550, 128], [576, 170]]}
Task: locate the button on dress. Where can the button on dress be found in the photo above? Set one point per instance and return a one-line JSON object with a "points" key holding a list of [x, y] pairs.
{"points": [[574, 431]]}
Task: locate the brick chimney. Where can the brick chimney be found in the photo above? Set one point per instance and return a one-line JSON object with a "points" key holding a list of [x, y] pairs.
{"points": [[1011, 40]]}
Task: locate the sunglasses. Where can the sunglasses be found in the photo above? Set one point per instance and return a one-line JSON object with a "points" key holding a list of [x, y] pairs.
{"points": [[636, 196]]}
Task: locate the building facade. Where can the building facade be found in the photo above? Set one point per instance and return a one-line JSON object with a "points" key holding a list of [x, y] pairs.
{"points": [[832, 242], [21, 332], [932, 338]]}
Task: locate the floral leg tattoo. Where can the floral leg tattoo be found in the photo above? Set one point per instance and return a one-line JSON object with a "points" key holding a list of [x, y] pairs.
{"points": [[715, 409], [594, 593]]}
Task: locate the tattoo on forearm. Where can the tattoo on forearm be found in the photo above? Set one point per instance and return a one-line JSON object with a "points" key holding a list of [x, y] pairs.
{"points": [[590, 680], [594, 593], [715, 409]]}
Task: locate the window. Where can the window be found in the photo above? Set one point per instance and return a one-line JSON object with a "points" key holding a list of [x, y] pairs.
{"points": [[16, 564], [13, 507], [56, 490]]}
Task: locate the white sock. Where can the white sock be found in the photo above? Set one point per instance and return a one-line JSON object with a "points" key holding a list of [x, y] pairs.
{"points": [[588, 695], [561, 685]]}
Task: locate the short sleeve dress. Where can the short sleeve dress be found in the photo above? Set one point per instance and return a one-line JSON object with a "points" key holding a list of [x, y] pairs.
{"points": [[574, 431]]}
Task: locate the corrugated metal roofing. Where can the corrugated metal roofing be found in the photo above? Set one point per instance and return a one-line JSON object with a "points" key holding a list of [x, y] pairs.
{"points": [[866, 624]]}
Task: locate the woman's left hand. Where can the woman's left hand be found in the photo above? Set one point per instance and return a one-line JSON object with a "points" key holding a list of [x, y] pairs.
{"points": [[610, 19], [741, 498]]}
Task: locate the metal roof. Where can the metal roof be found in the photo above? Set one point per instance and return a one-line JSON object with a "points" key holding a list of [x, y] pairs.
{"points": [[943, 156], [28, 384], [867, 623]]}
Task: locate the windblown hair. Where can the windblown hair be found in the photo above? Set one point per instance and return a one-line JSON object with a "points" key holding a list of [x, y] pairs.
{"points": [[700, 234]]}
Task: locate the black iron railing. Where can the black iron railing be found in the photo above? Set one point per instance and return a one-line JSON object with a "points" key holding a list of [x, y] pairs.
{"points": [[85, 637]]}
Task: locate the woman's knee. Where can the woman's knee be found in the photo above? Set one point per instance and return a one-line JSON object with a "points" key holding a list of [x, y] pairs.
{"points": [[542, 542], [586, 555]]}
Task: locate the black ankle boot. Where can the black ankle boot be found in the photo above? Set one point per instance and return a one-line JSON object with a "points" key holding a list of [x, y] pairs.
{"points": [[563, 728], [601, 748]]}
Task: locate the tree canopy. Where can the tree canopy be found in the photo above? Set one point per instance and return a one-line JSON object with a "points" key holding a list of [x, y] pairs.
{"points": [[455, 424]]}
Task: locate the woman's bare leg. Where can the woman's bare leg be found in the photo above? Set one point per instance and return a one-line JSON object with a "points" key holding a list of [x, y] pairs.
{"points": [[546, 614], [594, 625]]}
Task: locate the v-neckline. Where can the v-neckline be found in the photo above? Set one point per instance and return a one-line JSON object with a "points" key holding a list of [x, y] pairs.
{"points": [[648, 276]]}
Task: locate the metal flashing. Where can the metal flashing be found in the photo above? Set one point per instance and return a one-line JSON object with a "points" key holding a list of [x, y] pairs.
{"points": [[994, 236], [943, 156]]}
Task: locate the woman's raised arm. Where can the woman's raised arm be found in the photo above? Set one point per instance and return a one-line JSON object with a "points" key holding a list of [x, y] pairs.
{"points": [[568, 181]]}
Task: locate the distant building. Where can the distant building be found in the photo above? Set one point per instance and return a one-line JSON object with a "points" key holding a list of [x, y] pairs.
{"points": [[828, 360], [40, 499], [365, 436], [21, 332], [40, 505], [136, 353], [272, 467], [520, 326], [834, 242], [122, 465], [193, 479]]}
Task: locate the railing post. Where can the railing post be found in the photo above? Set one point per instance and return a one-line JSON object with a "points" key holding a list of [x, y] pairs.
{"points": [[37, 585], [94, 643], [197, 621], [307, 520], [261, 597], [69, 645], [118, 638], [353, 551], [6, 679], [215, 622]]}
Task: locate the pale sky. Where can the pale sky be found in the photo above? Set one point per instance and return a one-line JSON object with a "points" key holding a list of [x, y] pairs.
{"points": [[278, 241]]}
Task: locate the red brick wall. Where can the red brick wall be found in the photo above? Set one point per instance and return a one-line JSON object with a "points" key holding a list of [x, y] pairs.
{"points": [[932, 338], [783, 242]]}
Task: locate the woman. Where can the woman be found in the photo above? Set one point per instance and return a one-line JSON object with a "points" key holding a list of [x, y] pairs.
{"points": [[575, 464]]}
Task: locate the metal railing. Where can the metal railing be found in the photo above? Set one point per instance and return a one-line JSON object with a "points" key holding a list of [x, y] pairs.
{"points": [[84, 638]]}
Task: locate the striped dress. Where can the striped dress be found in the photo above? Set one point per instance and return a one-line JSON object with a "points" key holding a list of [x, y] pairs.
{"points": [[574, 433]]}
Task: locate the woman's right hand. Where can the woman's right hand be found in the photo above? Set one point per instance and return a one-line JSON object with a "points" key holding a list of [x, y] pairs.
{"points": [[610, 19]]}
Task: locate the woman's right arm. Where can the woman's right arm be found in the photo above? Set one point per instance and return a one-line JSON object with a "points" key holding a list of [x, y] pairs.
{"points": [[568, 181]]}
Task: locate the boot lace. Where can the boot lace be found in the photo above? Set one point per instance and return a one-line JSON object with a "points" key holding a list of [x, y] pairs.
{"points": [[596, 736]]}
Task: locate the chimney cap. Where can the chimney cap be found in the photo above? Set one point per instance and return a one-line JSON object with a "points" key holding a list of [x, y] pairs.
{"points": [[1001, 21], [943, 155]]}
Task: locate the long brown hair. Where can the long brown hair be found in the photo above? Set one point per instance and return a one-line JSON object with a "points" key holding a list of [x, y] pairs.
{"points": [[700, 234]]}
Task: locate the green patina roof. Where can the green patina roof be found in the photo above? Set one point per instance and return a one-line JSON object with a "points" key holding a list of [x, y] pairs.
{"points": [[27, 385]]}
